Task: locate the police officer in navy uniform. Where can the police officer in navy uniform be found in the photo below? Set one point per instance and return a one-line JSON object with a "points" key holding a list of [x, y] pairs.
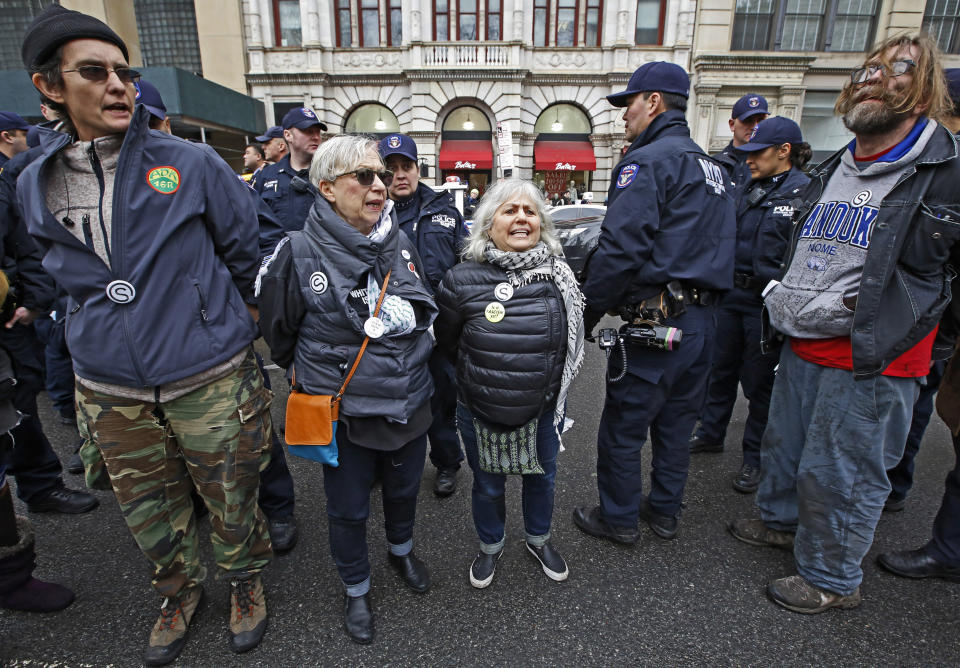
{"points": [[289, 199], [13, 135], [434, 224], [775, 154], [664, 258], [747, 112], [274, 147]]}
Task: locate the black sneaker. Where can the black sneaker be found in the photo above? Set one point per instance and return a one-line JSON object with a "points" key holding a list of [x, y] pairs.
{"points": [[483, 568], [551, 561], [747, 480], [894, 504], [665, 526], [698, 445]]}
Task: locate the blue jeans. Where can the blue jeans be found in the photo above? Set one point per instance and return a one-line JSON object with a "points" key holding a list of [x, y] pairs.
{"points": [[901, 475], [825, 454], [347, 488], [489, 502]]}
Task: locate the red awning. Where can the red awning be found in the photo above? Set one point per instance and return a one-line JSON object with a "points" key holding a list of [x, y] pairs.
{"points": [[466, 154], [558, 156]]}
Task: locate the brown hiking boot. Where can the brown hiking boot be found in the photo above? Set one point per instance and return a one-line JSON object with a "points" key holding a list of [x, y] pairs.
{"points": [[248, 613], [795, 593], [170, 632], [755, 532]]}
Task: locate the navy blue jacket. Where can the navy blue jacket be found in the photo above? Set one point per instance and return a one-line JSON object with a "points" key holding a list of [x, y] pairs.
{"points": [[438, 233], [20, 257], [670, 216], [289, 204], [735, 163], [190, 253]]}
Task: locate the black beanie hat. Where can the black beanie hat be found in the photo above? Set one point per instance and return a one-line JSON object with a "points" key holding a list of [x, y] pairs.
{"points": [[55, 26]]}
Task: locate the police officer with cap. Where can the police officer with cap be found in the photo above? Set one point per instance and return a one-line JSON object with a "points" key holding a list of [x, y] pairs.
{"points": [[434, 224], [289, 199], [274, 147], [149, 97], [747, 112], [775, 155], [664, 257], [13, 135]]}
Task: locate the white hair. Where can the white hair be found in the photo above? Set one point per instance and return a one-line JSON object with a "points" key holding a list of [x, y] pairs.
{"points": [[503, 190], [339, 155]]}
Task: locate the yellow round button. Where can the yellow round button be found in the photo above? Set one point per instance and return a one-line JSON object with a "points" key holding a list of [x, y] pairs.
{"points": [[495, 312]]}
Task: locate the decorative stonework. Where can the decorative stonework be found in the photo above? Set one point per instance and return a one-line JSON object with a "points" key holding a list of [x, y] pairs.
{"points": [[286, 61], [367, 59], [572, 59]]}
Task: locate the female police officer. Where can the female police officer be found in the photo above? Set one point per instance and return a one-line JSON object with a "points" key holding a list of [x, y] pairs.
{"points": [[775, 155]]}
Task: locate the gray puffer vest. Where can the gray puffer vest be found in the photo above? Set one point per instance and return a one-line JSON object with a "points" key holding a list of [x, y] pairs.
{"points": [[331, 258]]}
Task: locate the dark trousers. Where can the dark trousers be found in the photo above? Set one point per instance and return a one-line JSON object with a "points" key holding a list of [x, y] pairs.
{"points": [[58, 378], [945, 545], [445, 450], [276, 484], [347, 488], [33, 463], [901, 475], [737, 360], [661, 392]]}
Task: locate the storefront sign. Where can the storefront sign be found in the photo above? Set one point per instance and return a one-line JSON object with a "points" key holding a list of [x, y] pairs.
{"points": [[505, 145], [463, 164], [565, 166]]}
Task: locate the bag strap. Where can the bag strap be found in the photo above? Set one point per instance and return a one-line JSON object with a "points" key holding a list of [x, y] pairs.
{"points": [[363, 346], [366, 339]]}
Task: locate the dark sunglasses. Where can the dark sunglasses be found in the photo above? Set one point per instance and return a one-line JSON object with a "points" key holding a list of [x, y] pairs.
{"points": [[896, 69], [365, 176], [100, 73]]}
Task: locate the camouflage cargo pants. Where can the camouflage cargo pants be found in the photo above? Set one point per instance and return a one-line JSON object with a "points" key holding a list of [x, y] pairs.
{"points": [[216, 439]]}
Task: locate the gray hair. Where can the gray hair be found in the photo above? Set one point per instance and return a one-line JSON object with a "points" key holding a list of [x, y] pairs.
{"points": [[339, 155], [499, 193]]}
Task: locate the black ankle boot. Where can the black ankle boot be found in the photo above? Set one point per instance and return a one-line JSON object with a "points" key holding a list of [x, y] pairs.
{"points": [[358, 619], [19, 590]]}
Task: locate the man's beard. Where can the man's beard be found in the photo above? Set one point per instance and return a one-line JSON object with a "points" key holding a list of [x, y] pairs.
{"points": [[871, 118]]}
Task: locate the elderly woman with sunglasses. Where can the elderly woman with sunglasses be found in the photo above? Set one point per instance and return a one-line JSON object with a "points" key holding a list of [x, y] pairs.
{"points": [[511, 316], [318, 303]]}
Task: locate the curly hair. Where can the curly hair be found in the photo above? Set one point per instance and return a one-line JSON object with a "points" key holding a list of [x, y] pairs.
{"points": [[503, 190]]}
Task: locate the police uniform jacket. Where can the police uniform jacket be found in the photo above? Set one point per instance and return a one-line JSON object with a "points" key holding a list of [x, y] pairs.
{"points": [[905, 287], [670, 216], [508, 371], [312, 319], [735, 164], [184, 248], [289, 202], [438, 233], [764, 221]]}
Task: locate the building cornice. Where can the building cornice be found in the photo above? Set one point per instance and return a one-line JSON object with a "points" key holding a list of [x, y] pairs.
{"points": [[759, 62]]}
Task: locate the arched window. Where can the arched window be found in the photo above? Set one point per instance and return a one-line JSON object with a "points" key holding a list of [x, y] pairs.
{"points": [[466, 119], [371, 119], [562, 119]]}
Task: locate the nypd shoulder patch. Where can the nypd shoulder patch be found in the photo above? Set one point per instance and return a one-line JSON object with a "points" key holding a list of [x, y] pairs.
{"points": [[627, 174]]}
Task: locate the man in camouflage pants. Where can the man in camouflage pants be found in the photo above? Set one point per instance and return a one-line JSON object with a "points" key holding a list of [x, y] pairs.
{"points": [[156, 245]]}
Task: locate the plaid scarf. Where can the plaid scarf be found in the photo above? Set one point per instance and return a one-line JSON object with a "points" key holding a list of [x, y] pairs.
{"points": [[527, 266]]}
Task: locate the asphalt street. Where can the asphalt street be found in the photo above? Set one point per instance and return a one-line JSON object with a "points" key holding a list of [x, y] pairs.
{"points": [[696, 600]]}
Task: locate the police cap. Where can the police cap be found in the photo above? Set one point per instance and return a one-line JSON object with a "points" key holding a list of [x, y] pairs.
{"points": [[149, 96], [12, 121], [398, 144], [273, 132], [749, 105], [656, 76], [301, 118], [772, 132]]}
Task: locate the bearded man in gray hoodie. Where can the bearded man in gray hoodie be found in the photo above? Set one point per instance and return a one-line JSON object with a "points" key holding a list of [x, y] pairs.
{"points": [[861, 308]]}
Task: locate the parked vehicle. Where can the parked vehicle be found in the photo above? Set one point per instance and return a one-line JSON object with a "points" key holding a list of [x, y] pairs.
{"points": [[578, 227]]}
